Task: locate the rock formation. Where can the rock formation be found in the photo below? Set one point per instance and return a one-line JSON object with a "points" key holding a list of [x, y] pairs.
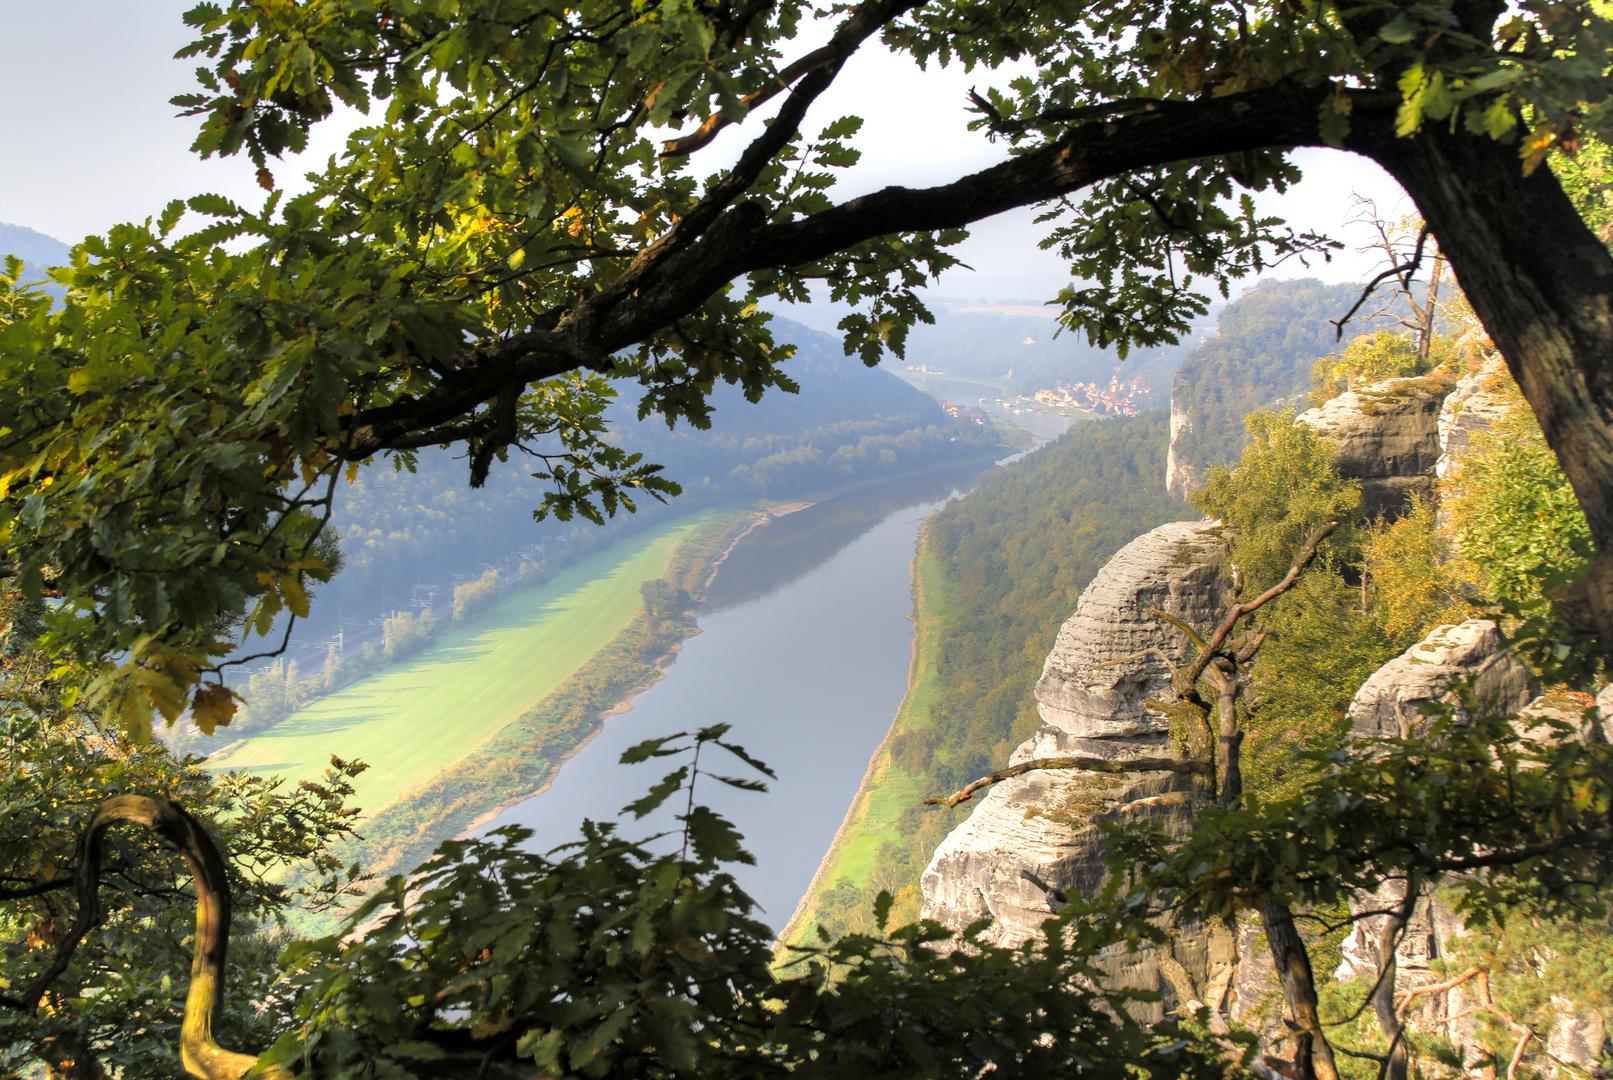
{"points": [[1388, 703], [1387, 436], [1109, 657], [1474, 405], [1179, 478]]}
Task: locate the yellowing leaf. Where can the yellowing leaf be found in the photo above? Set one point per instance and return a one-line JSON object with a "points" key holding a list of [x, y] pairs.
{"points": [[213, 707]]}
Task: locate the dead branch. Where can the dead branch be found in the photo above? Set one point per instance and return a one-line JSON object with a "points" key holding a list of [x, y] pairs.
{"points": [[1174, 798], [1086, 764], [1238, 611], [1134, 656]]}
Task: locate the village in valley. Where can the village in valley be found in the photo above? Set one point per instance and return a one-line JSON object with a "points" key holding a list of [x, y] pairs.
{"points": [[1093, 399]]}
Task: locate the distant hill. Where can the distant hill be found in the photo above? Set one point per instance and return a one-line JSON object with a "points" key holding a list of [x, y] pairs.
{"points": [[1266, 343], [31, 246], [36, 250]]}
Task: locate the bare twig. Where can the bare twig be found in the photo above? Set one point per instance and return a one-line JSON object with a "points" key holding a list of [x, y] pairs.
{"points": [[1230, 622], [1173, 798], [867, 19]]}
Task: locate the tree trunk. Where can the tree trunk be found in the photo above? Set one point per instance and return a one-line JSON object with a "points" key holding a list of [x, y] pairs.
{"points": [[1383, 998], [1293, 960], [1542, 285]]}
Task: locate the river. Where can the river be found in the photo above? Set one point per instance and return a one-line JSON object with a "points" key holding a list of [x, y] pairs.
{"points": [[804, 648]]}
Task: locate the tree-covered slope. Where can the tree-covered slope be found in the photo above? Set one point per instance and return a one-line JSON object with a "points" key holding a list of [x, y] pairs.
{"points": [[998, 572], [1262, 353], [849, 424]]}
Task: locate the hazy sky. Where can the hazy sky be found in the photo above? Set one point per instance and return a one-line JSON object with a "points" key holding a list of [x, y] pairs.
{"points": [[88, 139]]}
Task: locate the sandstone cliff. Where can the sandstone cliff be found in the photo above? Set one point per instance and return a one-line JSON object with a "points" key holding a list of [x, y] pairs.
{"points": [[1109, 657], [1478, 400], [1387, 436], [1179, 478], [1395, 437]]}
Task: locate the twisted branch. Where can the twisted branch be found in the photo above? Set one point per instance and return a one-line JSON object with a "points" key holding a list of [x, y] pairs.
{"points": [[200, 1053]]}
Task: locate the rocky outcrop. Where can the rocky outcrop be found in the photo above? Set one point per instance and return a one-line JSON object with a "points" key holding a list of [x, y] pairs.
{"points": [[1387, 435], [1109, 657], [1389, 702], [1179, 478], [1478, 401], [1387, 705]]}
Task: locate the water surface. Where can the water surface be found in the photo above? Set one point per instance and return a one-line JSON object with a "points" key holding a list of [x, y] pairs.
{"points": [[804, 649]]}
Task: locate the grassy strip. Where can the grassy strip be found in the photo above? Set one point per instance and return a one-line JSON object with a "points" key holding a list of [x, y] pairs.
{"points": [[524, 755], [880, 819], [413, 719]]}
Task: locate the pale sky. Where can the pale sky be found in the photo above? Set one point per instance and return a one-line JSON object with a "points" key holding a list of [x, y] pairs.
{"points": [[87, 139]]}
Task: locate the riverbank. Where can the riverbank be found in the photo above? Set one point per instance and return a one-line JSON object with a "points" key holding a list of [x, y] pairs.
{"points": [[523, 758], [877, 830], [416, 716]]}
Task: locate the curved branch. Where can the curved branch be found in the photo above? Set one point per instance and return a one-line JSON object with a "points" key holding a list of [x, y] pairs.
{"points": [[201, 1055], [1085, 764], [870, 17], [1230, 621]]}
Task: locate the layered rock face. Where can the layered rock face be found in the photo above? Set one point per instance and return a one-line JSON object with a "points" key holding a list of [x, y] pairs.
{"points": [[1477, 402], [1109, 657], [1387, 436], [1388, 704]]}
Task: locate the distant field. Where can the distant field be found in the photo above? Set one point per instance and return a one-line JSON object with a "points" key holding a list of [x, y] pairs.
{"points": [[925, 380], [415, 718]]}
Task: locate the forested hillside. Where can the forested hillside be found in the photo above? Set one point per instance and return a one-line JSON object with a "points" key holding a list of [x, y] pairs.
{"points": [[848, 425], [1262, 353], [998, 572], [1022, 351]]}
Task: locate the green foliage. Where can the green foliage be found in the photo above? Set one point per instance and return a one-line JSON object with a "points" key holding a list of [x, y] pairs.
{"points": [[1468, 792], [272, 695], [1514, 514], [503, 239], [1320, 647], [472, 599], [1411, 577], [119, 1002], [603, 958], [1370, 358], [1284, 487], [1587, 176], [1261, 356]]}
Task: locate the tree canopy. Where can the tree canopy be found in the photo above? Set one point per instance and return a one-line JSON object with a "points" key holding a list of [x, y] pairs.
{"points": [[514, 227]]}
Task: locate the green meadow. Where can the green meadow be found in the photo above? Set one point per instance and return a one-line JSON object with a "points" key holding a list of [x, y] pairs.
{"points": [[419, 716]]}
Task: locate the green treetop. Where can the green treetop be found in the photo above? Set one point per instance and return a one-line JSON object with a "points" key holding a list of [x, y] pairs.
{"points": [[508, 231]]}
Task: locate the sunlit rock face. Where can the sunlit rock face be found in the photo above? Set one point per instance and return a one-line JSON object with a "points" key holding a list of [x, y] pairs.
{"points": [[1387, 435], [1179, 478], [1389, 703], [1479, 400], [1109, 657]]}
